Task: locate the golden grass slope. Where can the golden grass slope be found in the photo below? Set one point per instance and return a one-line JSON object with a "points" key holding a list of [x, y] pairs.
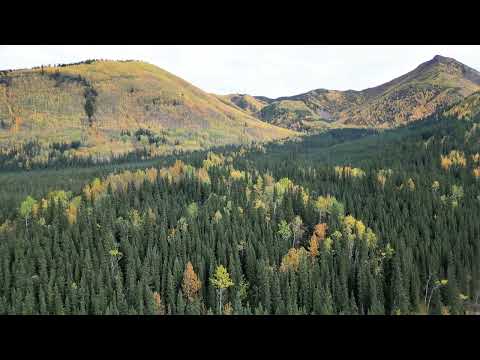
{"points": [[49, 104]]}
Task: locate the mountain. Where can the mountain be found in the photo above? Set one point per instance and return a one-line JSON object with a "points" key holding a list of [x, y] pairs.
{"points": [[107, 107], [434, 85]]}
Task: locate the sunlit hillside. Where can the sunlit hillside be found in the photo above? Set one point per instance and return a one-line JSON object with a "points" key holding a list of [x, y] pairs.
{"points": [[431, 87], [115, 107]]}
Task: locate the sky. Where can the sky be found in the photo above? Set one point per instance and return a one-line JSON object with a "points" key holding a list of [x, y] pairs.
{"points": [[268, 70]]}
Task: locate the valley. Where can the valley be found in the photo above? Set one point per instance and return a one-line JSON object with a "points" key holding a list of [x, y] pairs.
{"points": [[126, 191]]}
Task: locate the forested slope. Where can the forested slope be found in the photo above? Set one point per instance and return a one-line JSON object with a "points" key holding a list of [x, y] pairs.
{"points": [[99, 110], [294, 228]]}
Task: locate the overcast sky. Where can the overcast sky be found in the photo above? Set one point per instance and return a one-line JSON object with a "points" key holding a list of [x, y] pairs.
{"points": [[257, 70]]}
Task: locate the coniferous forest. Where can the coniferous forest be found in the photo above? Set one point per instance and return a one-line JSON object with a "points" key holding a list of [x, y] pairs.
{"points": [[347, 221]]}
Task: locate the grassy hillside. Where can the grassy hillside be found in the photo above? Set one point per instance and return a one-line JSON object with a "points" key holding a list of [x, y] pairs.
{"points": [[432, 86], [115, 107]]}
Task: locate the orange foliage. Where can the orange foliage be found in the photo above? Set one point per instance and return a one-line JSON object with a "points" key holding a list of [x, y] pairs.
{"points": [[159, 307], [191, 284], [72, 214], [268, 180], [319, 233], [476, 172], [17, 122], [445, 162], [227, 309], [381, 179], [313, 248], [151, 174], [291, 261], [203, 176], [96, 188], [454, 158], [476, 158], [177, 169]]}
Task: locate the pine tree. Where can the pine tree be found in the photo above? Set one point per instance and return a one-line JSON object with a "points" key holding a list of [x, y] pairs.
{"points": [[453, 296], [180, 308], [399, 305]]}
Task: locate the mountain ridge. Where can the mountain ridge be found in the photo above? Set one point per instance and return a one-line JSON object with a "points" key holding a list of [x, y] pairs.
{"points": [[433, 85]]}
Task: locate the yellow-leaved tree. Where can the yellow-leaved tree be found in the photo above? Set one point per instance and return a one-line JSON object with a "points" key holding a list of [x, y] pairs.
{"points": [[221, 280], [26, 208], [323, 205], [411, 184], [72, 209]]}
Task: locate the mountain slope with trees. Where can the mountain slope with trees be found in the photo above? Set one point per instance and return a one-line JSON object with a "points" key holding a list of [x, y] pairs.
{"points": [[434, 85], [111, 108], [293, 228]]}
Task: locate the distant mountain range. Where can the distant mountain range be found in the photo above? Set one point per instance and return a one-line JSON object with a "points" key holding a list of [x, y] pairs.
{"points": [[115, 107], [432, 86]]}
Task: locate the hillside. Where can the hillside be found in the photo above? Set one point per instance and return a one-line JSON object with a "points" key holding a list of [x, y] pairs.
{"points": [[434, 85], [107, 108], [247, 103], [467, 109]]}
